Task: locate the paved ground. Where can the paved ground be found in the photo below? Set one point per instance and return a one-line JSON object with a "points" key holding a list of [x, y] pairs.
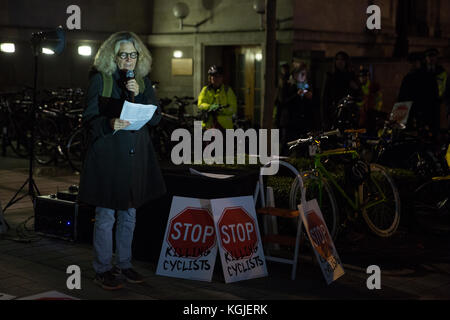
{"points": [[415, 263]]}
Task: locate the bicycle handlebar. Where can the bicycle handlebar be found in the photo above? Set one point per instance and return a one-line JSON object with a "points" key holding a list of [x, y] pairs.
{"points": [[324, 135], [335, 132], [299, 141]]}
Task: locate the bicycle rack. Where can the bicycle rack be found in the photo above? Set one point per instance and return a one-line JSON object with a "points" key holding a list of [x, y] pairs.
{"points": [[284, 213]]}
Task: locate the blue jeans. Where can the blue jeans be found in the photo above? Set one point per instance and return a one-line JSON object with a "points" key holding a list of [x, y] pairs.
{"points": [[103, 238]]}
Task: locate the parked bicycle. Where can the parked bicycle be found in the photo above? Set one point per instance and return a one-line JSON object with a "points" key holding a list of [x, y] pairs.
{"points": [[173, 117], [400, 148], [369, 190], [55, 127], [16, 122], [431, 204]]}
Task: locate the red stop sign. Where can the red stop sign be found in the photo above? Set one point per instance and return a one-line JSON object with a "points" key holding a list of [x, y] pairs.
{"points": [[319, 235], [238, 232], [191, 232]]}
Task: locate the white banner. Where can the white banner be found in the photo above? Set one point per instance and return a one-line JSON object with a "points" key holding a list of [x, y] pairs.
{"points": [[239, 240], [189, 248], [321, 241]]}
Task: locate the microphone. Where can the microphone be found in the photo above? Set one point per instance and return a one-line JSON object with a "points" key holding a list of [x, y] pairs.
{"points": [[129, 76]]}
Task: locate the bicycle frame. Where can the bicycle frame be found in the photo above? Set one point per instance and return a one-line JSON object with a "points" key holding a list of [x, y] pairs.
{"points": [[323, 172]]}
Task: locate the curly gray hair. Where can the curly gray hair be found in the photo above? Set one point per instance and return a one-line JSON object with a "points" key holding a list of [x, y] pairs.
{"points": [[105, 58]]}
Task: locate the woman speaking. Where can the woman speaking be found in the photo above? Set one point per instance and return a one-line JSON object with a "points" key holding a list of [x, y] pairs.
{"points": [[120, 172]]}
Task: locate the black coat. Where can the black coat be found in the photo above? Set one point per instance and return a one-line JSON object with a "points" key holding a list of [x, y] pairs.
{"points": [[421, 87], [297, 114], [120, 171], [337, 86]]}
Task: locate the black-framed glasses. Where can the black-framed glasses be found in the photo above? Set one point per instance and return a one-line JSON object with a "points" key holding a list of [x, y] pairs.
{"points": [[125, 55]]}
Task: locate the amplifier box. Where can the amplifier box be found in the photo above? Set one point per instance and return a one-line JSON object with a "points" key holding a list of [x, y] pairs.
{"points": [[67, 195], [63, 219]]}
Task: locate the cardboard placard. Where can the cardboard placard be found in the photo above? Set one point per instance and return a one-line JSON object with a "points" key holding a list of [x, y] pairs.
{"points": [[400, 112], [4, 296], [321, 241], [238, 238], [189, 248]]}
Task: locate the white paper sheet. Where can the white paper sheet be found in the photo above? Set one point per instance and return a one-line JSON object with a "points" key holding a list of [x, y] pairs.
{"points": [[137, 114], [210, 175], [4, 296]]}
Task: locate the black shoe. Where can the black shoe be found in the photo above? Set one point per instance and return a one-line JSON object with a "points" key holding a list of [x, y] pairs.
{"points": [[130, 274], [108, 281]]}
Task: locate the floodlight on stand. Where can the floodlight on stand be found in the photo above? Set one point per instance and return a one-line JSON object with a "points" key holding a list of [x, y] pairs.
{"points": [[53, 40], [7, 47]]}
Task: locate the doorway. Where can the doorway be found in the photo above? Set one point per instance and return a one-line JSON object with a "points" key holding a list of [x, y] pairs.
{"points": [[243, 73], [248, 80]]}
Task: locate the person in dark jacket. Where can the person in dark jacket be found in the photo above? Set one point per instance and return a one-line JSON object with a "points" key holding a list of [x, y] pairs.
{"points": [[281, 94], [420, 87], [298, 107], [120, 172], [338, 84]]}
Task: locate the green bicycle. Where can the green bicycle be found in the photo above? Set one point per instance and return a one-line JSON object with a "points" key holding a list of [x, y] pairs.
{"points": [[375, 195]]}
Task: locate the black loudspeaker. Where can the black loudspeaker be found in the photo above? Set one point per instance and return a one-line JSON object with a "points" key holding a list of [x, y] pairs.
{"points": [[63, 219]]}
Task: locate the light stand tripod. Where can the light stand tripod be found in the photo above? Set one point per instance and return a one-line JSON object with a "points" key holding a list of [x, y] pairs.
{"points": [[56, 41]]}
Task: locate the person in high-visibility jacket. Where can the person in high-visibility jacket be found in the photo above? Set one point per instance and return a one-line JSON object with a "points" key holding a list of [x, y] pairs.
{"points": [[372, 101], [447, 156], [217, 101]]}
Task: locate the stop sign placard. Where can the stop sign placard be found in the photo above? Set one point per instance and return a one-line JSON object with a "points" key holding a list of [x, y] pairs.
{"points": [[320, 237], [191, 233], [238, 232], [321, 241]]}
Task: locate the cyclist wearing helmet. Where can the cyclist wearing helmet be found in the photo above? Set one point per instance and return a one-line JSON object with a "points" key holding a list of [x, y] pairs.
{"points": [[217, 101]]}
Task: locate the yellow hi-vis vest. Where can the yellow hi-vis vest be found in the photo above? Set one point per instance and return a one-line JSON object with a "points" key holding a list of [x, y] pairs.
{"points": [[442, 83], [222, 96]]}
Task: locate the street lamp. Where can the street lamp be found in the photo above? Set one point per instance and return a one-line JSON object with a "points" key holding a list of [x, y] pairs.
{"points": [[260, 8], [181, 11]]}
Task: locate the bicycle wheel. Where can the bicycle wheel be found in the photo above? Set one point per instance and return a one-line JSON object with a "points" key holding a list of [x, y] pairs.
{"points": [[17, 139], [381, 202], [423, 164], [162, 143], [45, 143], [76, 149], [431, 205], [317, 188]]}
